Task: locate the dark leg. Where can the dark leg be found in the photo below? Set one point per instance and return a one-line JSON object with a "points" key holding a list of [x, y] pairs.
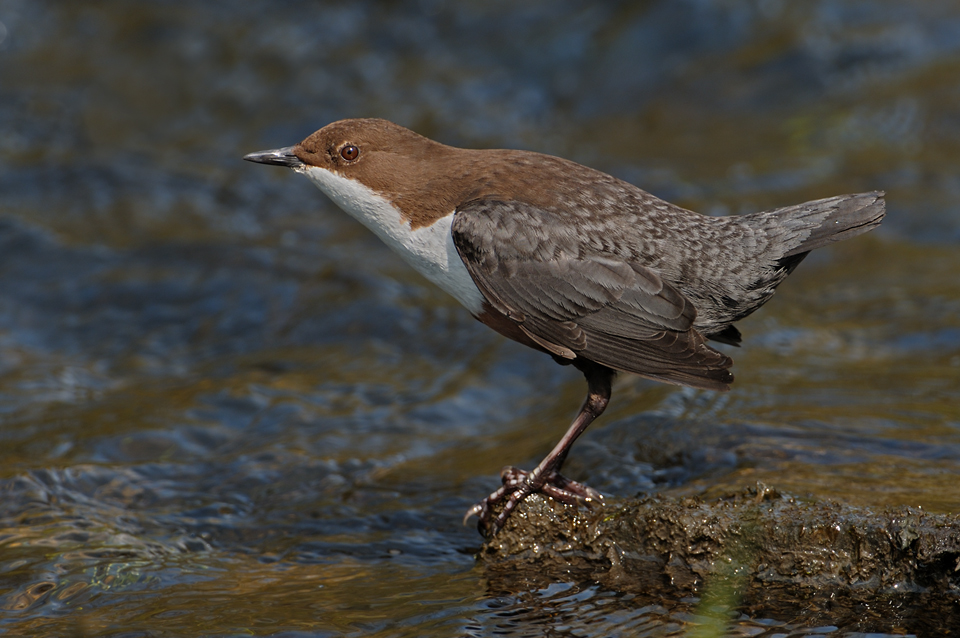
{"points": [[546, 478]]}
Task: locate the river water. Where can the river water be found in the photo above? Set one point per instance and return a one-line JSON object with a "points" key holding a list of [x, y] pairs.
{"points": [[227, 409]]}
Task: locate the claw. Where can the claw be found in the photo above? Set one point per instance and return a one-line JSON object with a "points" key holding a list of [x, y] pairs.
{"points": [[476, 510], [518, 485]]}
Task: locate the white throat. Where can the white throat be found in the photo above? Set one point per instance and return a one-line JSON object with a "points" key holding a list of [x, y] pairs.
{"points": [[428, 249]]}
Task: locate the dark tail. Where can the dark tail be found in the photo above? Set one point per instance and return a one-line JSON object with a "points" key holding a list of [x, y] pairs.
{"points": [[824, 221], [788, 234]]}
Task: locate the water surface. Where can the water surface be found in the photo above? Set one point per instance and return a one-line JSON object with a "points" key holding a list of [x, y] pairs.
{"points": [[226, 409]]}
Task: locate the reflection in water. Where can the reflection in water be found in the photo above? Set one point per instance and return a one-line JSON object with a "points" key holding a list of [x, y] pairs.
{"points": [[225, 410]]}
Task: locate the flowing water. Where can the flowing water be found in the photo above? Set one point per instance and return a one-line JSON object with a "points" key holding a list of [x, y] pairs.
{"points": [[226, 409]]}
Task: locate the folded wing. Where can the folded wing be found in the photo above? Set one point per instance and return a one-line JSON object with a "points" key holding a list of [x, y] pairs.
{"points": [[535, 267]]}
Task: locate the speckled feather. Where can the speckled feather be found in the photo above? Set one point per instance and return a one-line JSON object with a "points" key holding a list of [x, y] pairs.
{"points": [[635, 283]]}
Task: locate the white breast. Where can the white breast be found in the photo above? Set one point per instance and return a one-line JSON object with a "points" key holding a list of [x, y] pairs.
{"points": [[429, 249]]}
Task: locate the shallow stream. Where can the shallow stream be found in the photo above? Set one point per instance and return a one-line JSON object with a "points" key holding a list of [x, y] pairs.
{"points": [[227, 409]]}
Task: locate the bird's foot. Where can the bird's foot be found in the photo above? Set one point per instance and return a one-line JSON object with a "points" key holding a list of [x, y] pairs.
{"points": [[518, 485]]}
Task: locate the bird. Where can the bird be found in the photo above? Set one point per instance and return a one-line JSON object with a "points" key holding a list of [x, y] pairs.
{"points": [[570, 261]]}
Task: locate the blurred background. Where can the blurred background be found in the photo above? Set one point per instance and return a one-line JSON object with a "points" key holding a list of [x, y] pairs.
{"points": [[226, 408]]}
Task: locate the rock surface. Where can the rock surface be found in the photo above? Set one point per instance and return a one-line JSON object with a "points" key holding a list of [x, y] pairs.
{"points": [[754, 539]]}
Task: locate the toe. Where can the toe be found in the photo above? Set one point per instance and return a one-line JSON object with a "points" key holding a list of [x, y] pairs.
{"points": [[476, 510]]}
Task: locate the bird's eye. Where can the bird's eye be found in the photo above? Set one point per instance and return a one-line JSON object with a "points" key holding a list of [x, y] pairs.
{"points": [[349, 152]]}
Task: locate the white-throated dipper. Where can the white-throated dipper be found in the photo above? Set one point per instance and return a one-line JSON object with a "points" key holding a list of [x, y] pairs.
{"points": [[570, 261]]}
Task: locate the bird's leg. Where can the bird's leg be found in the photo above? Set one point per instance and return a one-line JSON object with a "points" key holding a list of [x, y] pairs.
{"points": [[546, 477]]}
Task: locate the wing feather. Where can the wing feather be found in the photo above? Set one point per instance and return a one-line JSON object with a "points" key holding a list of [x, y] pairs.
{"points": [[577, 301]]}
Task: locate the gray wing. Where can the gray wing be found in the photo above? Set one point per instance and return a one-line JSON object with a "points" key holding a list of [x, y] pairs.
{"points": [[582, 296]]}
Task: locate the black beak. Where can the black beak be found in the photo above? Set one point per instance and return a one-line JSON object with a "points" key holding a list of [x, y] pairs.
{"points": [[277, 156]]}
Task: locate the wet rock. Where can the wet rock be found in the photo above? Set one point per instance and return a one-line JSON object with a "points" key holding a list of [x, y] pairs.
{"points": [[756, 539]]}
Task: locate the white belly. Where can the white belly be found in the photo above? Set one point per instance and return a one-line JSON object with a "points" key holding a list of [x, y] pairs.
{"points": [[428, 249]]}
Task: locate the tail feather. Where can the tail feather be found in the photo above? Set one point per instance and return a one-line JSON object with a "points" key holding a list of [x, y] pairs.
{"points": [[772, 243], [825, 221]]}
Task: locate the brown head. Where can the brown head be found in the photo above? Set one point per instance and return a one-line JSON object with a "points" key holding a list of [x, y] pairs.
{"points": [[427, 180], [407, 169]]}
